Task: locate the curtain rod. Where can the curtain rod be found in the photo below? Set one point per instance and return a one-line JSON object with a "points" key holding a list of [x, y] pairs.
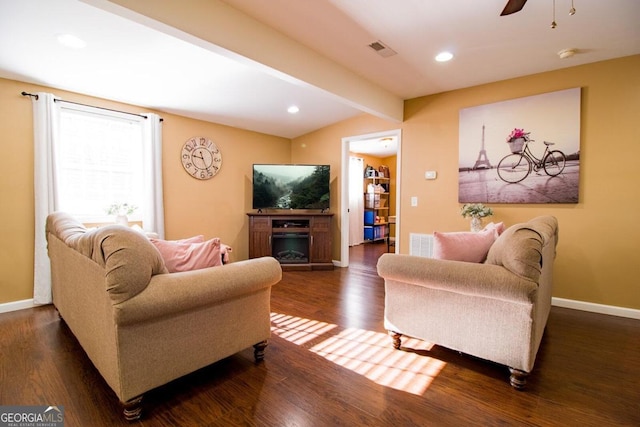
{"points": [[23, 93], [100, 108], [86, 105]]}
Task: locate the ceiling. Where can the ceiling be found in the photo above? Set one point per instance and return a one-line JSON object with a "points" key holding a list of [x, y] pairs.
{"points": [[242, 63]]}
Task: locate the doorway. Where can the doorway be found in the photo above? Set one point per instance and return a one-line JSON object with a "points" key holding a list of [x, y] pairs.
{"points": [[371, 145]]}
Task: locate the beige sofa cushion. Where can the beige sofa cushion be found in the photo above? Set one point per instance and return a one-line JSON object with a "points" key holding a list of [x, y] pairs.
{"points": [[519, 248], [129, 259]]}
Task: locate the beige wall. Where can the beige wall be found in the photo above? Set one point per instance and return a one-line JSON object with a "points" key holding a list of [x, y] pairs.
{"points": [[599, 240], [215, 208], [599, 246]]}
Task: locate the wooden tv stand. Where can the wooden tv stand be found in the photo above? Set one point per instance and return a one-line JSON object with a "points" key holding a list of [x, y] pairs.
{"points": [[299, 241]]}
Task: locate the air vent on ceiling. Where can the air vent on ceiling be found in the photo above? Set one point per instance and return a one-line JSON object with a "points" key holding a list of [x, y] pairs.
{"points": [[382, 49]]}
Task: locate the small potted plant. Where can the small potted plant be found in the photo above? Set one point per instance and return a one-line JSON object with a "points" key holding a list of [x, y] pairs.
{"points": [[121, 212], [477, 212]]}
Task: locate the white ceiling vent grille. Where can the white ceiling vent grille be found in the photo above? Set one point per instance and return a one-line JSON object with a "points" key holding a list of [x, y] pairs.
{"points": [[421, 245], [382, 49]]}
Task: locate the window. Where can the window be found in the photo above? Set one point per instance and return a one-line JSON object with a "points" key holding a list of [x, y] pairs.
{"points": [[85, 159], [99, 161]]}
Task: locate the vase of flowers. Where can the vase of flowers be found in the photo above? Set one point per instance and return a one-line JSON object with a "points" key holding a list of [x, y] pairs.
{"points": [[121, 212], [477, 212]]}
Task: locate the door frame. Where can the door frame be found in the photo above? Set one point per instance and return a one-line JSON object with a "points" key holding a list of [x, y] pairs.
{"points": [[344, 203]]}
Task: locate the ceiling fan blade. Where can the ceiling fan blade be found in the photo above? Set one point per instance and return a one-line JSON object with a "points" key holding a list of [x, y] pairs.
{"points": [[513, 6]]}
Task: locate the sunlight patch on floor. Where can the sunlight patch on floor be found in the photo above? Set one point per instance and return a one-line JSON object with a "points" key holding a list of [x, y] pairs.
{"points": [[364, 352], [298, 330]]}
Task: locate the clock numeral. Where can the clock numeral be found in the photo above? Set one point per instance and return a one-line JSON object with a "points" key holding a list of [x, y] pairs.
{"points": [[203, 141], [188, 165], [186, 156], [188, 147]]}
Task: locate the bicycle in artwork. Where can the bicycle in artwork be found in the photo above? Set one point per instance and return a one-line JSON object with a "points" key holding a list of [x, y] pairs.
{"points": [[516, 166]]}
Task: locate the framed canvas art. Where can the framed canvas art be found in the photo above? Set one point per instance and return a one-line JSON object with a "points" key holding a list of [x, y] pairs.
{"points": [[524, 150]]}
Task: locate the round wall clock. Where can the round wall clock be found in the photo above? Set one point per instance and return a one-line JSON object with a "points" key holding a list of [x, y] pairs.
{"points": [[201, 157]]}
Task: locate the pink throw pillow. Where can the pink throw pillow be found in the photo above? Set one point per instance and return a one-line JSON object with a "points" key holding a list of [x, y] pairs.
{"points": [[189, 255], [195, 239], [463, 245], [499, 227], [225, 250]]}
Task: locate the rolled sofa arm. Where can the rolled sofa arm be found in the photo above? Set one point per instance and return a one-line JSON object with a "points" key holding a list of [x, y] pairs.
{"points": [[173, 293], [468, 278]]}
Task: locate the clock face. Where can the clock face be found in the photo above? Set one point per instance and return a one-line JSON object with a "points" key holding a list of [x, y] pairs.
{"points": [[201, 157]]}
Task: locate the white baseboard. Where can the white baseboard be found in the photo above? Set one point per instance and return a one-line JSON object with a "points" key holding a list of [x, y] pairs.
{"points": [[596, 308], [16, 305]]}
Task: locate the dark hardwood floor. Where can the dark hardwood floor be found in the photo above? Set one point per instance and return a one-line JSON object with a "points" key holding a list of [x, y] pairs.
{"points": [[330, 363]]}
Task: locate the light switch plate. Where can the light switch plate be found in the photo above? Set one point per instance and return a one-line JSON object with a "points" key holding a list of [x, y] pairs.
{"points": [[430, 175], [414, 201]]}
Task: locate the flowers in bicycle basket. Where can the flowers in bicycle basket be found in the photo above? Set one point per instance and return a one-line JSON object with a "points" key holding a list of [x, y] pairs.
{"points": [[515, 134]]}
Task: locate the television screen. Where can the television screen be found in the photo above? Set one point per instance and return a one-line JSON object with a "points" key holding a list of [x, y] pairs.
{"points": [[291, 186]]}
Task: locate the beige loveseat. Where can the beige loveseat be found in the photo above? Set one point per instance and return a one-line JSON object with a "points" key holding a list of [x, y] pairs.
{"points": [[496, 310], [143, 327]]}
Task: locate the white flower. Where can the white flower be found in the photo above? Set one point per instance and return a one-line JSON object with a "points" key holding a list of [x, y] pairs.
{"points": [[475, 210]]}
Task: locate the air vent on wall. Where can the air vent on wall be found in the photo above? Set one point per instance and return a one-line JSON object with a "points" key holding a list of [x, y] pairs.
{"points": [[382, 49], [421, 245]]}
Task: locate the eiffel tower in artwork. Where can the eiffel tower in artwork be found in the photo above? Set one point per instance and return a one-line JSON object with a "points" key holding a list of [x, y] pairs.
{"points": [[483, 160]]}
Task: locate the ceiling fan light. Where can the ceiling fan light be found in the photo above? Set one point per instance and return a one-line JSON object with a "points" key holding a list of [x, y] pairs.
{"points": [[567, 53], [444, 56]]}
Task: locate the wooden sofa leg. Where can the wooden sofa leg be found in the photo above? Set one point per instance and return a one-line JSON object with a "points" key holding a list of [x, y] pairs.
{"points": [[132, 408], [258, 350], [518, 378], [396, 336]]}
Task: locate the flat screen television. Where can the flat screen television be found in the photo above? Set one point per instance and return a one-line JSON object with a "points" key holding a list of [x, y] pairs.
{"points": [[289, 186]]}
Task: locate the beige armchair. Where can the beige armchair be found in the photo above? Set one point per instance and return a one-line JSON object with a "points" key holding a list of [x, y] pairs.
{"points": [[143, 327], [496, 310]]}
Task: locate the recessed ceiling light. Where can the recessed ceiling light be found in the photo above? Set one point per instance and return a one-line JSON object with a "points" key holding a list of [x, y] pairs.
{"points": [[444, 56], [69, 40], [293, 109]]}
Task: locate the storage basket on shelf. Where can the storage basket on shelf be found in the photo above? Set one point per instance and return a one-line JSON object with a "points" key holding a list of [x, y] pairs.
{"points": [[516, 145], [369, 217]]}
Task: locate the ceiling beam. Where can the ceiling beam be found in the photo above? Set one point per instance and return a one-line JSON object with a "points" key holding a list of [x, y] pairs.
{"points": [[214, 25]]}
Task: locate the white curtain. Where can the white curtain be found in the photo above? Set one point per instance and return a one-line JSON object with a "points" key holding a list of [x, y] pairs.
{"points": [[153, 218], [356, 201], [45, 129], [45, 132]]}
